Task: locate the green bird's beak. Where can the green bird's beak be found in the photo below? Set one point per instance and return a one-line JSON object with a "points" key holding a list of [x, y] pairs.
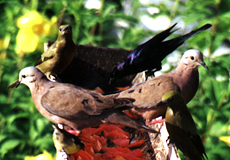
{"points": [[163, 103]]}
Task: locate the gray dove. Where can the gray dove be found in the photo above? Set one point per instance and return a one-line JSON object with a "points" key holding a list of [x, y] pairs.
{"points": [[73, 106], [184, 79]]}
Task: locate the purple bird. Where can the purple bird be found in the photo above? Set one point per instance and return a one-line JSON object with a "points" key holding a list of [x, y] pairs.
{"points": [[148, 56]]}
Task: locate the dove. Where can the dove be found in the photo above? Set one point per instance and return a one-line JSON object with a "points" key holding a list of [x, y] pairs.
{"points": [[66, 142], [148, 56], [73, 106], [59, 55], [181, 127], [184, 79]]}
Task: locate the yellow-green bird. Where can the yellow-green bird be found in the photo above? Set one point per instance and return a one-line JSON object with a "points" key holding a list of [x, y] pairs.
{"points": [[181, 127], [59, 55], [64, 141]]}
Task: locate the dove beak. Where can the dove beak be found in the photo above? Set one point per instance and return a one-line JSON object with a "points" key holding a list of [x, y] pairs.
{"points": [[204, 65], [14, 85]]}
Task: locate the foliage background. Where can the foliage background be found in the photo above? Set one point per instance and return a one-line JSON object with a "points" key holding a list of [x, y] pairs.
{"points": [[117, 24]]}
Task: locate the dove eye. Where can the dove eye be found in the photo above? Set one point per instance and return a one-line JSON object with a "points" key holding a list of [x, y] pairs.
{"points": [[192, 58], [23, 76]]}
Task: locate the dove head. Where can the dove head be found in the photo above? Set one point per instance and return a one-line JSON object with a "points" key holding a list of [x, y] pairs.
{"points": [[27, 76], [193, 58], [65, 30]]}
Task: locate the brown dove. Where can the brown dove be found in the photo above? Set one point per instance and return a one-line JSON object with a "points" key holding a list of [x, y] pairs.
{"points": [[184, 79], [181, 127], [59, 55], [73, 106]]}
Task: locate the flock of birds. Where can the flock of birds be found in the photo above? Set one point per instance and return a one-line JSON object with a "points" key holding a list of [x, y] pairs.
{"points": [[166, 95]]}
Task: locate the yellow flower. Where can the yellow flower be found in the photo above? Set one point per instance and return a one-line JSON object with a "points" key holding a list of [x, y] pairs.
{"points": [[44, 156], [32, 27], [4, 43], [225, 139]]}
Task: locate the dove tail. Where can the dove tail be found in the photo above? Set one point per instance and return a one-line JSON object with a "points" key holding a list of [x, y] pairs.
{"points": [[120, 118]]}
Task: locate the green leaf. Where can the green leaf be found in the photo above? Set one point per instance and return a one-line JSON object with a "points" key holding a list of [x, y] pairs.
{"points": [[209, 116], [44, 142], [9, 145], [41, 123], [108, 10], [2, 137], [13, 117]]}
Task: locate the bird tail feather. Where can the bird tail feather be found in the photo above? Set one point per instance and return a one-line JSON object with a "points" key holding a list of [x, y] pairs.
{"points": [[192, 33]]}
